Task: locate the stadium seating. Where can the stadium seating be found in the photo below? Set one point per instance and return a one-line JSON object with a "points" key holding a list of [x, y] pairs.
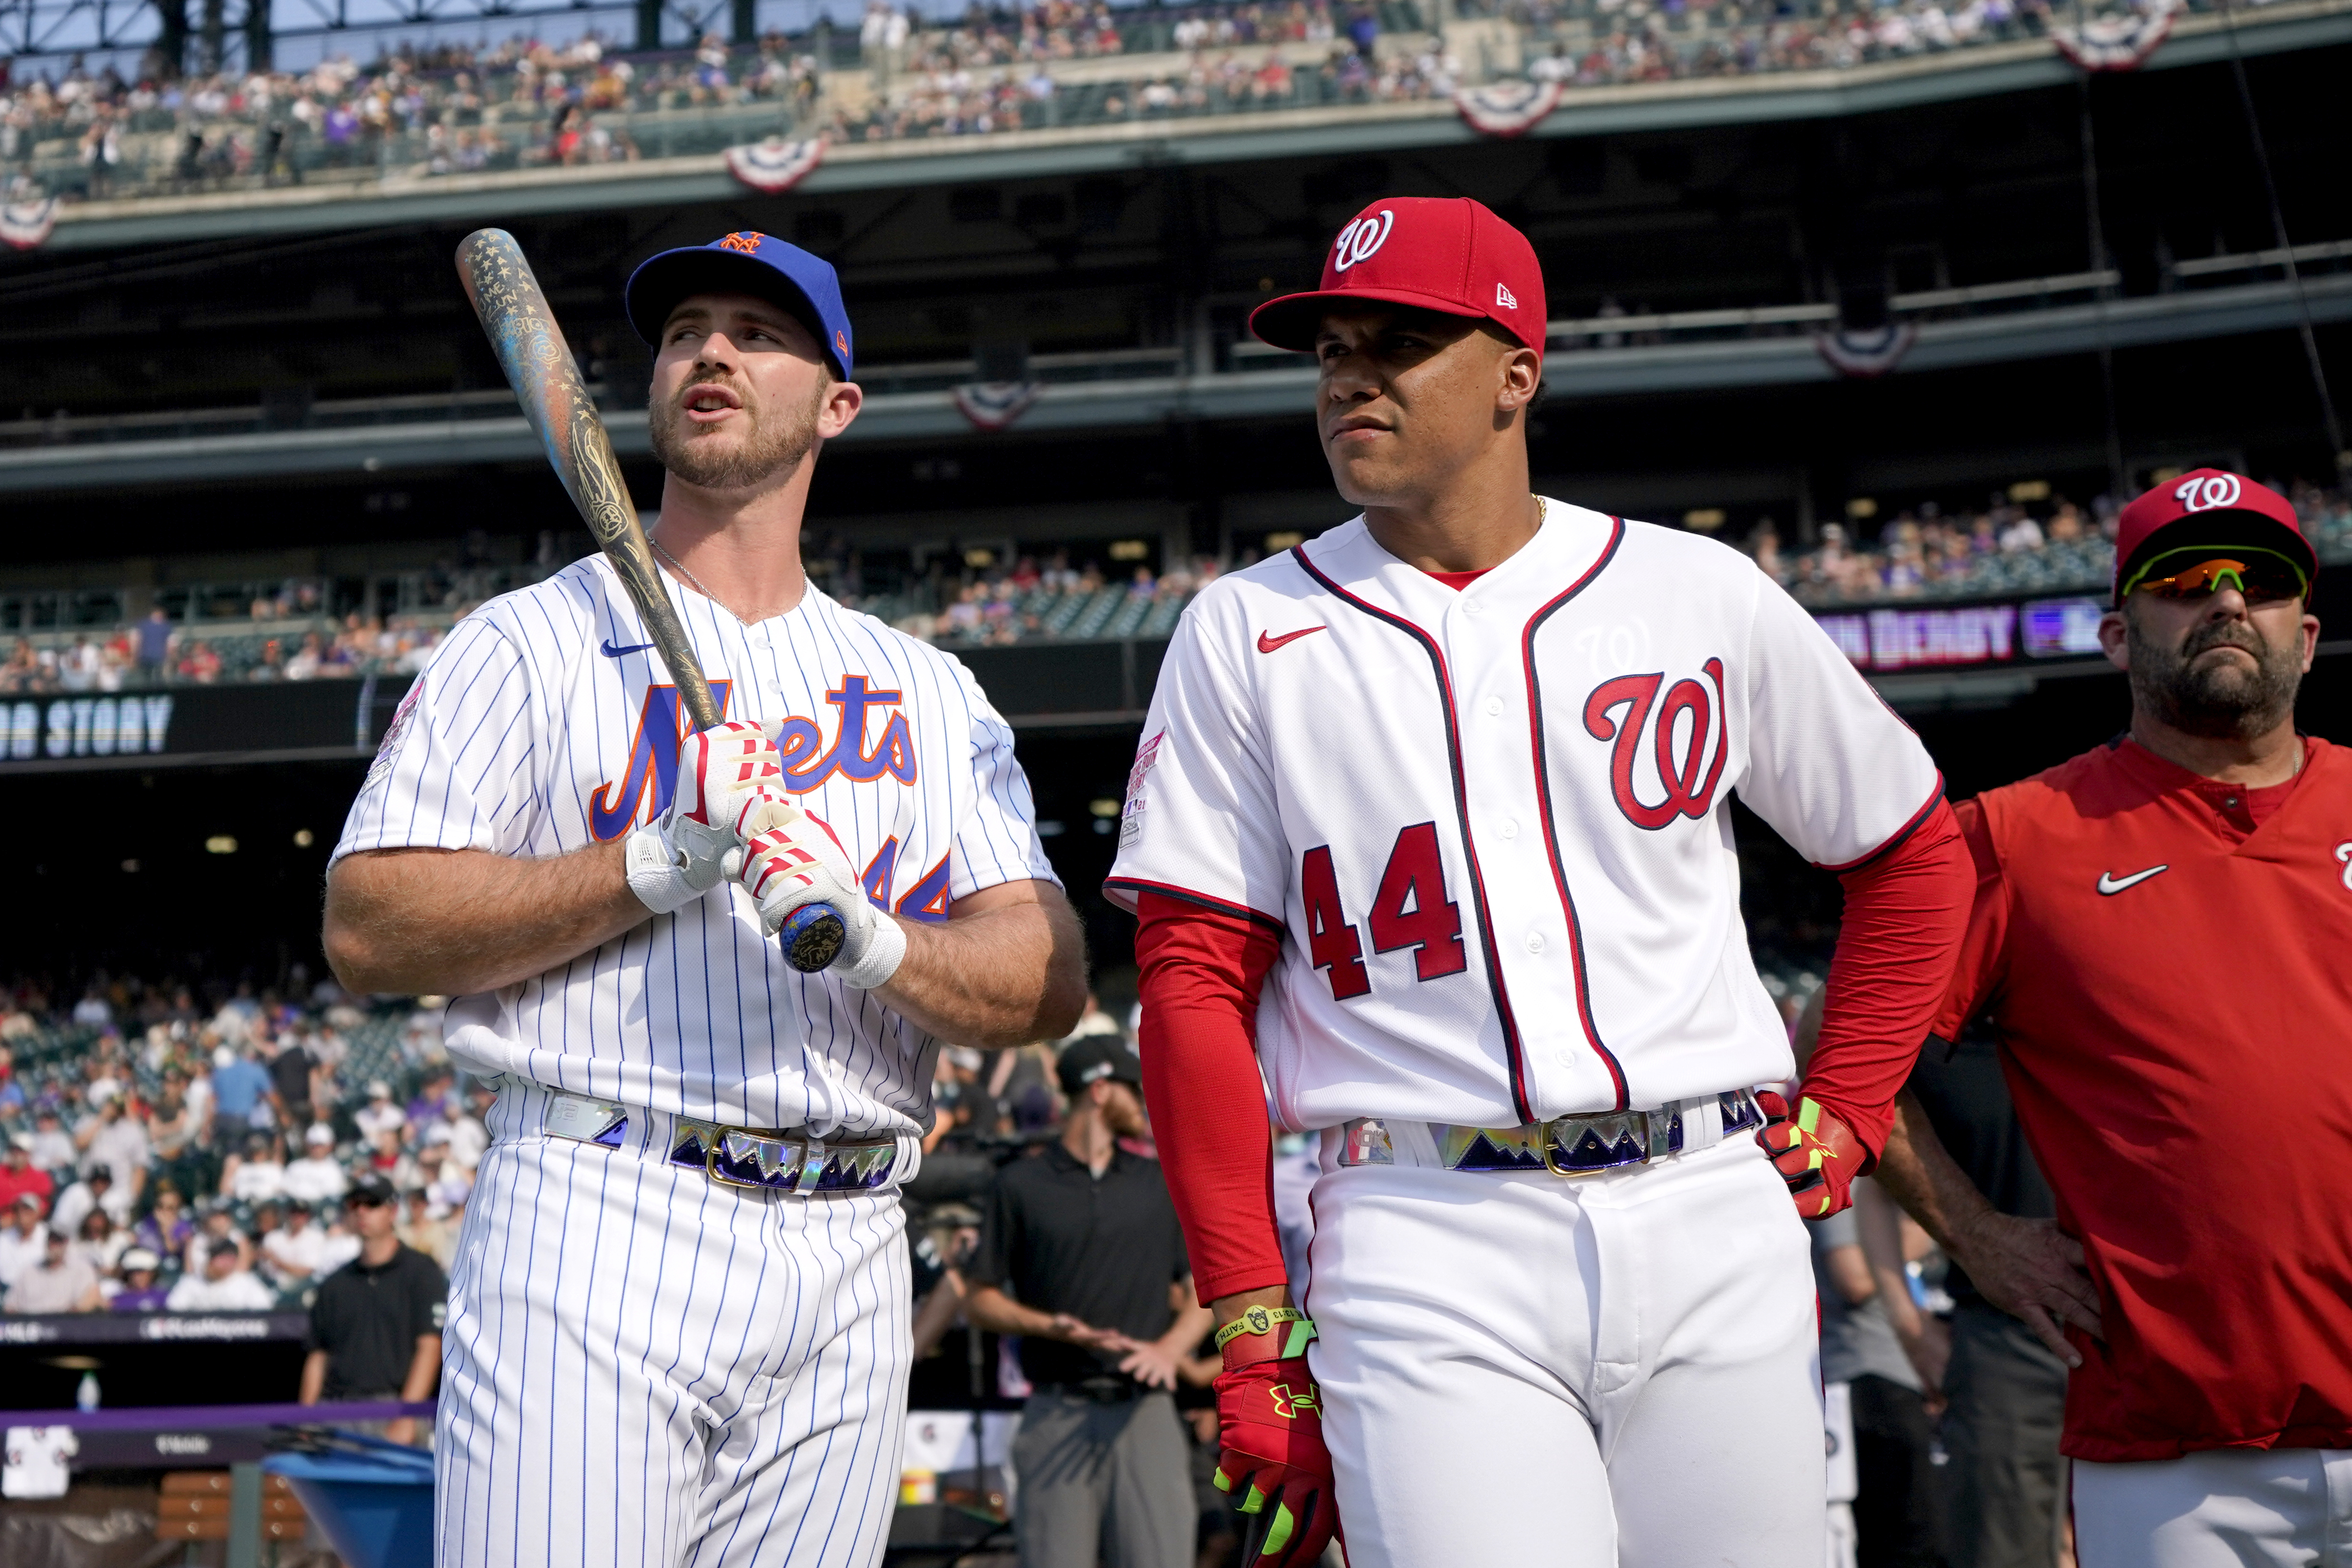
{"points": [[457, 110], [1999, 552]]}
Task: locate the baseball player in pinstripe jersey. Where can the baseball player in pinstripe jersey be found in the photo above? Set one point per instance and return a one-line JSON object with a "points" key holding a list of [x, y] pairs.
{"points": [[678, 1330]]}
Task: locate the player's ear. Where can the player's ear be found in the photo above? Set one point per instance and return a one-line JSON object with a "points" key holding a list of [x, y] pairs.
{"points": [[2115, 637], [836, 406]]}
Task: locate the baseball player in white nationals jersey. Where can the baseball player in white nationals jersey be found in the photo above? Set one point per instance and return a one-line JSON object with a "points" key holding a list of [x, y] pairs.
{"points": [[1432, 814], [677, 1331]]}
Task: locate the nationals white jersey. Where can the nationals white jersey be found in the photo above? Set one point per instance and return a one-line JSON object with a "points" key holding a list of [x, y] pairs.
{"points": [[1495, 823], [545, 722]]}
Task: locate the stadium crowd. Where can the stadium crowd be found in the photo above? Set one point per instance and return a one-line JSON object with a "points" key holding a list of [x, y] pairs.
{"points": [[2004, 547], [2028, 541], [457, 107], [178, 1148]]}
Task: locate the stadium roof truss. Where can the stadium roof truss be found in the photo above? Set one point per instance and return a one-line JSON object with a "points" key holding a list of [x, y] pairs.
{"points": [[50, 27]]}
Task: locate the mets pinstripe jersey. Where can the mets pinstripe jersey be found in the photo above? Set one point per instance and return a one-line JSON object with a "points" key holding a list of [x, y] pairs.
{"points": [[545, 722], [652, 1358]]}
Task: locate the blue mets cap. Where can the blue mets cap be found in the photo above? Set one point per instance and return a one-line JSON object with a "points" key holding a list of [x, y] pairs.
{"points": [[744, 263]]}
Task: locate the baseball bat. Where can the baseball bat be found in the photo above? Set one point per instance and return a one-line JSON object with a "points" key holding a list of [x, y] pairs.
{"points": [[539, 366]]}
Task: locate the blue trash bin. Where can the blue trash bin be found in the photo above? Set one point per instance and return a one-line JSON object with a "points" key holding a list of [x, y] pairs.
{"points": [[374, 1502]]}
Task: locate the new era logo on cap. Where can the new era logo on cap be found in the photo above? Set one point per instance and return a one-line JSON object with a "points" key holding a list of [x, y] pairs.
{"points": [[1449, 255]]}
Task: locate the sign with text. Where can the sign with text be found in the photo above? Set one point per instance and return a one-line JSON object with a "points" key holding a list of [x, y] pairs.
{"points": [[129, 729], [1951, 636]]}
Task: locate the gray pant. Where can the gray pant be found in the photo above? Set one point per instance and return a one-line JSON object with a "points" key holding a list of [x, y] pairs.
{"points": [[1103, 1483], [2007, 1484]]}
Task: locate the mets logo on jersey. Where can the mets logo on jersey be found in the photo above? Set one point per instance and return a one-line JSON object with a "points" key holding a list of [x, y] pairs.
{"points": [[808, 758], [1688, 757]]}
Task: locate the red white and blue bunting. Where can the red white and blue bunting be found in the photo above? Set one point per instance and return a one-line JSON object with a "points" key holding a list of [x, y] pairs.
{"points": [[995, 405], [24, 225], [776, 165], [1508, 108], [1869, 354], [2116, 43]]}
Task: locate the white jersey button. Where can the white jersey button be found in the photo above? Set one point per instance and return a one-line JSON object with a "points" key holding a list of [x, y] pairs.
{"points": [[1494, 707], [1473, 607], [1510, 828], [1534, 942]]}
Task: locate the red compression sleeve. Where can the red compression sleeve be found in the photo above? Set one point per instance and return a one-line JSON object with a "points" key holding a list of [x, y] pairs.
{"points": [[1201, 970], [1906, 912]]}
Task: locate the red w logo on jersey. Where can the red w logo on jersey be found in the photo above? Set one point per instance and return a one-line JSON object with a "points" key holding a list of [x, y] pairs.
{"points": [[1689, 758]]}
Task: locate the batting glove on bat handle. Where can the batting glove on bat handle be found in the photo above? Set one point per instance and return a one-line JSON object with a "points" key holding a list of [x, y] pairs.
{"points": [[1270, 1422], [799, 875], [1816, 1154], [697, 840]]}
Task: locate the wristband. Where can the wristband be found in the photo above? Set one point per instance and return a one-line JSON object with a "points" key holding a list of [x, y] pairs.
{"points": [[1264, 1333], [654, 874], [886, 949]]}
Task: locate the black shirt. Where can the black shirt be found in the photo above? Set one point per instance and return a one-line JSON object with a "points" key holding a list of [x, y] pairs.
{"points": [[368, 1320], [1104, 1250], [289, 1071], [1966, 1101]]}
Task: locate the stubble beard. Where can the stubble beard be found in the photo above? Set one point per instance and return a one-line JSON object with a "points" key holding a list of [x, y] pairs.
{"points": [[778, 443], [2218, 701]]}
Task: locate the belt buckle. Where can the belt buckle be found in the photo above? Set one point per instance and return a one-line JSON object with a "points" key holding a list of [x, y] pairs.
{"points": [[804, 1175], [1653, 1133]]}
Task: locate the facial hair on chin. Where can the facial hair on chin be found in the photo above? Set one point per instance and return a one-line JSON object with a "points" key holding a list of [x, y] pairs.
{"points": [[774, 446], [2219, 703]]}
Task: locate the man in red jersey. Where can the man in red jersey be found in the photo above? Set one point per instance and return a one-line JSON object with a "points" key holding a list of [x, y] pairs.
{"points": [[1430, 836], [2162, 939]]}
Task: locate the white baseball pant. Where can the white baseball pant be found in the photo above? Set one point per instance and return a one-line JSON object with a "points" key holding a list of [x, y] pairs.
{"points": [[2221, 1507], [646, 1367], [1619, 1371]]}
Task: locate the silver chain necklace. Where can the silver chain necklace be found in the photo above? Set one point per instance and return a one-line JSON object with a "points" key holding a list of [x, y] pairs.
{"points": [[697, 582]]}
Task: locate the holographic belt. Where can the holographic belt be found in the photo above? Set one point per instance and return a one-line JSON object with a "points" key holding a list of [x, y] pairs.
{"points": [[1565, 1146], [772, 1160]]}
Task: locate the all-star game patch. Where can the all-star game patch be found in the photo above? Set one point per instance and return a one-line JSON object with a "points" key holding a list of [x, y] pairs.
{"points": [[1131, 817], [388, 748]]}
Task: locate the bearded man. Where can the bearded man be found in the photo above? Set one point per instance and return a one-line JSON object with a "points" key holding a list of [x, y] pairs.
{"points": [[678, 1327], [2161, 939]]}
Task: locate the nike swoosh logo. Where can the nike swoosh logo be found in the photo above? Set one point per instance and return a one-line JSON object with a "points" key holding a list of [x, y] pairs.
{"points": [[2111, 884], [1267, 642], [612, 652]]}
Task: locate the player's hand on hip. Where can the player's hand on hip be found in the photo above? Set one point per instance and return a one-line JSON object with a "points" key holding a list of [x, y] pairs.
{"points": [[683, 853], [2034, 1271], [1815, 1152], [790, 860], [1270, 1420]]}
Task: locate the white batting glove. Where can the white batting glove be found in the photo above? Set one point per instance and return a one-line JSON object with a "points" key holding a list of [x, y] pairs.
{"points": [[683, 853], [792, 860]]}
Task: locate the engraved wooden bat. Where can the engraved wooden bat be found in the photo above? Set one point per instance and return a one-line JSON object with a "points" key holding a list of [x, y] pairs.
{"points": [[538, 367]]}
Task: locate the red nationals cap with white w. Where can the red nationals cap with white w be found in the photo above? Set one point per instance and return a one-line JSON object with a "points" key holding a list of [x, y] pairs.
{"points": [[1449, 255]]}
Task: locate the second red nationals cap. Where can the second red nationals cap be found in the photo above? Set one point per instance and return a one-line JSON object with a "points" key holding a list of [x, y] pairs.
{"points": [[1448, 254], [2211, 510]]}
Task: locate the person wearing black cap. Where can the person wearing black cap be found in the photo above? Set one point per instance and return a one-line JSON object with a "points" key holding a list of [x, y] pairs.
{"points": [[693, 1145], [1081, 1256], [2159, 941], [376, 1324]]}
